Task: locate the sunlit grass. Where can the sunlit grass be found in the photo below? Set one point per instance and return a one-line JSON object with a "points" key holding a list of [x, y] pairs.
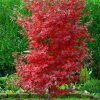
{"points": [[47, 99]]}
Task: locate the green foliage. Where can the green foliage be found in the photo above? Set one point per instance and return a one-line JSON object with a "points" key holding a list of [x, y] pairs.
{"points": [[8, 85], [92, 86], [62, 87], [84, 75], [3, 82], [94, 7], [10, 39]]}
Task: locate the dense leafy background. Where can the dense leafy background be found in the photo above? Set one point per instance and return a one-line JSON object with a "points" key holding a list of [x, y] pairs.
{"points": [[11, 41], [94, 7]]}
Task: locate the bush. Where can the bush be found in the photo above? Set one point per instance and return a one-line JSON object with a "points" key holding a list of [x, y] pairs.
{"points": [[92, 86], [55, 54], [10, 39], [3, 82], [84, 75], [94, 7], [8, 85]]}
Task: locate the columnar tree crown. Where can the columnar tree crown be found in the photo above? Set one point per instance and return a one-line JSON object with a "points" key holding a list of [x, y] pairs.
{"points": [[57, 45]]}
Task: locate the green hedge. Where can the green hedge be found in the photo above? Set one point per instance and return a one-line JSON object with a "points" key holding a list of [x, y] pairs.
{"points": [[10, 39], [94, 7], [92, 86]]}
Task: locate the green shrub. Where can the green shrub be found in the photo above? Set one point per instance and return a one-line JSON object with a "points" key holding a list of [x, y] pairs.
{"points": [[3, 82], [10, 39], [8, 85], [94, 7], [84, 75], [92, 86]]}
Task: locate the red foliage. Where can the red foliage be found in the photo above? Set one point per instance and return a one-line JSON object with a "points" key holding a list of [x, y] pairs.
{"points": [[57, 45]]}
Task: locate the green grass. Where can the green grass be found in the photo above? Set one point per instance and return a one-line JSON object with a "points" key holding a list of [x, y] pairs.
{"points": [[72, 99], [46, 99]]}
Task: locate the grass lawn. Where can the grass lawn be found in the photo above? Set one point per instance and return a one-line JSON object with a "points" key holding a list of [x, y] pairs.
{"points": [[45, 99]]}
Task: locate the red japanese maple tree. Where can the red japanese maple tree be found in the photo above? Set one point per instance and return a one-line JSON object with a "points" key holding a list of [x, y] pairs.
{"points": [[57, 45]]}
